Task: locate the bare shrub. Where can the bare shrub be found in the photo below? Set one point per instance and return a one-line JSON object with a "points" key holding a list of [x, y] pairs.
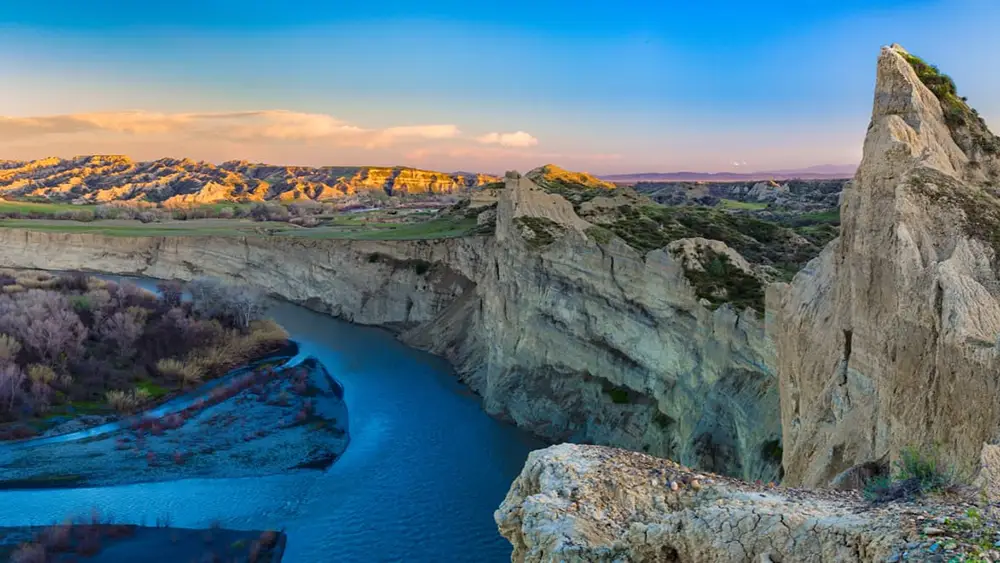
{"points": [[76, 281], [226, 212], [106, 212], [171, 292], [39, 373], [237, 305], [188, 373], [11, 388], [9, 348], [127, 401], [84, 215], [123, 328], [44, 323]]}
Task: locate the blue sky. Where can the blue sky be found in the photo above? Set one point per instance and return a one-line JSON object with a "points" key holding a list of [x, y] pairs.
{"points": [[600, 86]]}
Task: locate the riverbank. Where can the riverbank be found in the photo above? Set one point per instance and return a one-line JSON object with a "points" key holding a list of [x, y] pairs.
{"points": [[281, 413], [95, 542]]}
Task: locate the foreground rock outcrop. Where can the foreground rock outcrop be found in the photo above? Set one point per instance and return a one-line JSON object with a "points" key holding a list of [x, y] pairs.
{"points": [[592, 504], [887, 340]]}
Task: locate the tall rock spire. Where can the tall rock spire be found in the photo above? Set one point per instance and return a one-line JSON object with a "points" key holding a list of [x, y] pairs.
{"points": [[886, 340]]}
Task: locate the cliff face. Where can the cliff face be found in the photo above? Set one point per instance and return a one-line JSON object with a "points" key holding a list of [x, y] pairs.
{"points": [[595, 342], [109, 178], [572, 338], [887, 339]]}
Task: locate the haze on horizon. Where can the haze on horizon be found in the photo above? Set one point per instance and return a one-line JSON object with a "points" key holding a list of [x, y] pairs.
{"points": [[721, 86]]}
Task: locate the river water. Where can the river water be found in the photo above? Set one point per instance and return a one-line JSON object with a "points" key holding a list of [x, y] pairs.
{"points": [[425, 469]]}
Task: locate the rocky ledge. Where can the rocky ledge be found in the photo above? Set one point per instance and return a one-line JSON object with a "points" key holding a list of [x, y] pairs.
{"points": [[590, 503]]}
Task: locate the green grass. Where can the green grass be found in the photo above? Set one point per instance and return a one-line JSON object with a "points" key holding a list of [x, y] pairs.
{"points": [[745, 205], [438, 228], [33, 207], [155, 391]]}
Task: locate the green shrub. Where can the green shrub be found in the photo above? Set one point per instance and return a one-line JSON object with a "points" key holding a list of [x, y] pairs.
{"points": [[722, 282], [957, 113], [917, 473]]}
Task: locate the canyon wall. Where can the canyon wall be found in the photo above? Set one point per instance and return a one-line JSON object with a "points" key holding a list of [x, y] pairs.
{"points": [[887, 340], [569, 337]]}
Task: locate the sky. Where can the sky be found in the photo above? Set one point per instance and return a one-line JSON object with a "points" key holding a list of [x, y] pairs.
{"points": [[606, 87]]}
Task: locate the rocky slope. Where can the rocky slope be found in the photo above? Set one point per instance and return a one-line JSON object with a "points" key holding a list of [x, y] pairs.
{"points": [[888, 339], [185, 182], [564, 329]]}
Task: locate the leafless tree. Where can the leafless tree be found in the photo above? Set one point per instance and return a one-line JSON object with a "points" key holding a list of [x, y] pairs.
{"points": [[239, 305]]}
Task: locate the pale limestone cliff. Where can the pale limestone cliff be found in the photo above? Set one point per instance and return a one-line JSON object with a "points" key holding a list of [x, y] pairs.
{"points": [[575, 504], [567, 336], [887, 339]]}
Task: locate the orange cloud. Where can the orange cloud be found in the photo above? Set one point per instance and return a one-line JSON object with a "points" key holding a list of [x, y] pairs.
{"points": [[265, 125]]}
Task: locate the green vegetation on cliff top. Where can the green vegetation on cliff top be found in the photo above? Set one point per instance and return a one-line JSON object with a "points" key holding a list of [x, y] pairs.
{"points": [[967, 127]]}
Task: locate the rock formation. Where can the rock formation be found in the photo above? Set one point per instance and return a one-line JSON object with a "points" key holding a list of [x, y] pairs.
{"points": [[565, 330], [182, 182], [888, 339], [591, 504]]}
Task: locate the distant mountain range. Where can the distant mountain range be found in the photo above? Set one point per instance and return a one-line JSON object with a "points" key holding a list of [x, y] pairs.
{"points": [[181, 182], [820, 172]]}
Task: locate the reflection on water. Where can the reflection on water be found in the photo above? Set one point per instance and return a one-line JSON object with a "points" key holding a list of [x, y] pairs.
{"points": [[423, 474]]}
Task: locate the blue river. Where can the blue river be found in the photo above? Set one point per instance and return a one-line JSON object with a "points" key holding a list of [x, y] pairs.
{"points": [[425, 469]]}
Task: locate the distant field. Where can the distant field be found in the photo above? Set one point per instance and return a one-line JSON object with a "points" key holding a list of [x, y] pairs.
{"points": [[342, 228], [46, 208], [733, 204]]}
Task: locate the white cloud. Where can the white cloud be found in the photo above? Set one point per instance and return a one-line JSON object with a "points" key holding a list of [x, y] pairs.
{"points": [[739, 163], [518, 139], [265, 125]]}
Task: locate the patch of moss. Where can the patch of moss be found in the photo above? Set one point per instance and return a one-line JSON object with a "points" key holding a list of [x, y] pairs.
{"points": [[544, 231], [963, 121], [723, 282]]}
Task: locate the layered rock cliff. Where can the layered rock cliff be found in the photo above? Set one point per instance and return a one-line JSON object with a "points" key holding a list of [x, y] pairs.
{"points": [[564, 329], [887, 340], [178, 182]]}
